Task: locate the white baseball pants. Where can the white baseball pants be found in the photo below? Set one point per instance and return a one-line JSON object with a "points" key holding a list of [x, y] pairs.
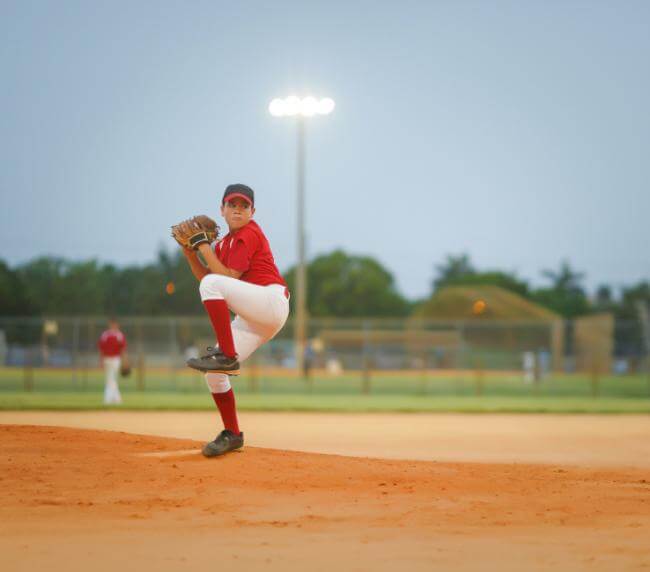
{"points": [[261, 312], [111, 389]]}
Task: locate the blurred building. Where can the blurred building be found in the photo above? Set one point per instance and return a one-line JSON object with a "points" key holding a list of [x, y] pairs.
{"points": [[494, 321]]}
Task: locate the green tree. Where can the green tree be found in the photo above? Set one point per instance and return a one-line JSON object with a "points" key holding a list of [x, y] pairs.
{"points": [[629, 330], [631, 297], [453, 270], [350, 286], [13, 299], [566, 295], [49, 285], [39, 278], [565, 278], [604, 299], [81, 289], [142, 290], [185, 299], [55, 286], [458, 270]]}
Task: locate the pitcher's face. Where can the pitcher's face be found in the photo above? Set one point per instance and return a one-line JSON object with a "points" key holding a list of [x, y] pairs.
{"points": [[237, 213]]}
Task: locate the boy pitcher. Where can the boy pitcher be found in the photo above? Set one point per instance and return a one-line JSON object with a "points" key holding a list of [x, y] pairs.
{"points": [[241, 276]]}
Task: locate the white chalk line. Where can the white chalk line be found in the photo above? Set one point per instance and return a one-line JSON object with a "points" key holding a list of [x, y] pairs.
{"points": [[181, 453]]}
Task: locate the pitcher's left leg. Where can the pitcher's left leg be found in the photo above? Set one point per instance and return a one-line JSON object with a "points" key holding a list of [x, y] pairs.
{"points": [[231, 437], [247, 339]]}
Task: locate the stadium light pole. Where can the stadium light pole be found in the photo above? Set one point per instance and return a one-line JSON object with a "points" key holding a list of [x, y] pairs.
{"points": [[301, 110]]}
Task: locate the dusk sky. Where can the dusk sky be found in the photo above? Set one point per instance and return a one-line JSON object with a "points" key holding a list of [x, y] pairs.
{"points": [[517, 132]]}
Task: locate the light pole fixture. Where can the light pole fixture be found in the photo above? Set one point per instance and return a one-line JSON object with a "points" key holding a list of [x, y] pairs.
{"points": [[301, 109]]}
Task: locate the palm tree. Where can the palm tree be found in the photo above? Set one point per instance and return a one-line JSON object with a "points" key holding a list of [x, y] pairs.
{"points": [[565, 279], [454, 267]]}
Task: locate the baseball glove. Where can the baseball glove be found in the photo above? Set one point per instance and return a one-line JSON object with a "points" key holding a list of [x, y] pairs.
{"points": [[191, 233], [125, 370]]}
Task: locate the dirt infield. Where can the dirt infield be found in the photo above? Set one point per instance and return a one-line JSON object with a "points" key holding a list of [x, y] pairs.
{"points": [[76, 499], [584, 440]]}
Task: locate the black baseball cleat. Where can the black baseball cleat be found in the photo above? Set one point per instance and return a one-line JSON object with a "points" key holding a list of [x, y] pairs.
{"points": [[216, 362], [225, 441]]}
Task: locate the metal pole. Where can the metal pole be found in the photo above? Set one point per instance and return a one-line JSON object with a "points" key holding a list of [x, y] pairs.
{"points": [[644, 318], [173, 351], [301, 274], [75, 351]]}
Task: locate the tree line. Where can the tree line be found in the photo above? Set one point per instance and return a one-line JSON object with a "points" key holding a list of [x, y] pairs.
{"points": [[339, 285]]}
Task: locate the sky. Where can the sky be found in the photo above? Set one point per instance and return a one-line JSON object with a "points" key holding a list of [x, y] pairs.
{"points": [[517, 132]]}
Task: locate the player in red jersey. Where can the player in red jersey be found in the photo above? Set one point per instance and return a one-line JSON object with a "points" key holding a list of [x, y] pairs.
{"points": [[241, 276], [112, 347]]}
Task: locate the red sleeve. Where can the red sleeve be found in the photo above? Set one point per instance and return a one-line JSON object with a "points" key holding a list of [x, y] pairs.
{"points": [[218, 250]]}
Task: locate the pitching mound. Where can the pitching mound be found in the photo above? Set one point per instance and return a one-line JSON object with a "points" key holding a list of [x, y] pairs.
{"points": [[96, 500]]}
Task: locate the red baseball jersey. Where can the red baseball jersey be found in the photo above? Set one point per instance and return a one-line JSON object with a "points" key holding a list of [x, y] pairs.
{"points": [[111, 343], [247, 250]]}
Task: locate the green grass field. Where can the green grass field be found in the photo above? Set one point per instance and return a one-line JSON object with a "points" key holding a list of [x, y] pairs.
{"points": [[408, 391], [157, 401]]}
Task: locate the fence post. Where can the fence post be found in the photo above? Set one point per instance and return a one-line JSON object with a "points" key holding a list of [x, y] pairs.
{"points": [[595, 376], [423, 372], [173, 353], [366, 365], [84, 371], [537, 369], [28, 370], [254, 374], [644, 318], [480, 376], [140, 359], [75, 351]]}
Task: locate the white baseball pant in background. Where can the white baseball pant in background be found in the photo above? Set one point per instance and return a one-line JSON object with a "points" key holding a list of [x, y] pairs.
{"points": [[261, 312], [111, 389]]}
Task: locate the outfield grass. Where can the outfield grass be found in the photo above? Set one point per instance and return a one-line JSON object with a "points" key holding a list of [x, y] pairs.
{"points": [[387, 391], [10, 400], [446, 383]]}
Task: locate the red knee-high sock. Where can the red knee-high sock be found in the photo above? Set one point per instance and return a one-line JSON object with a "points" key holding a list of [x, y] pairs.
{"points": [[228, 410], [220, 318]]}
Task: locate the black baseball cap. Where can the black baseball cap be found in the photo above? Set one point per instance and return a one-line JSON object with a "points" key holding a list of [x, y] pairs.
{"points": [[241, 191]]}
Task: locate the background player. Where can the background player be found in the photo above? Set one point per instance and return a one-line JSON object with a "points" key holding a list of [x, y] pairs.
{"points": [[112, 350], [241, 276]]}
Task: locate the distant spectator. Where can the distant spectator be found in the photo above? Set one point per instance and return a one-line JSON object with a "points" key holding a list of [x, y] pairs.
{"points": [[308, 360], [112, 349], [529, 362]]}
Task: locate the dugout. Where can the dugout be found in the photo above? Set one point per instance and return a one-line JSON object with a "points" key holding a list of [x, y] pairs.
{"points": [[594, 343], [394, 349], [495, 325]]}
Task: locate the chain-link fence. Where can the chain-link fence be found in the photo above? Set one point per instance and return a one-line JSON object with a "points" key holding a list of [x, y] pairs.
{"points": [[595, 356]]}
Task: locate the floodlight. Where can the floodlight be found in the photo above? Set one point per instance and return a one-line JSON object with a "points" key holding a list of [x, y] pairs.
{"points": [[277, 107], [326, 106], [301, 109], [292, 105], [308, 106]]}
